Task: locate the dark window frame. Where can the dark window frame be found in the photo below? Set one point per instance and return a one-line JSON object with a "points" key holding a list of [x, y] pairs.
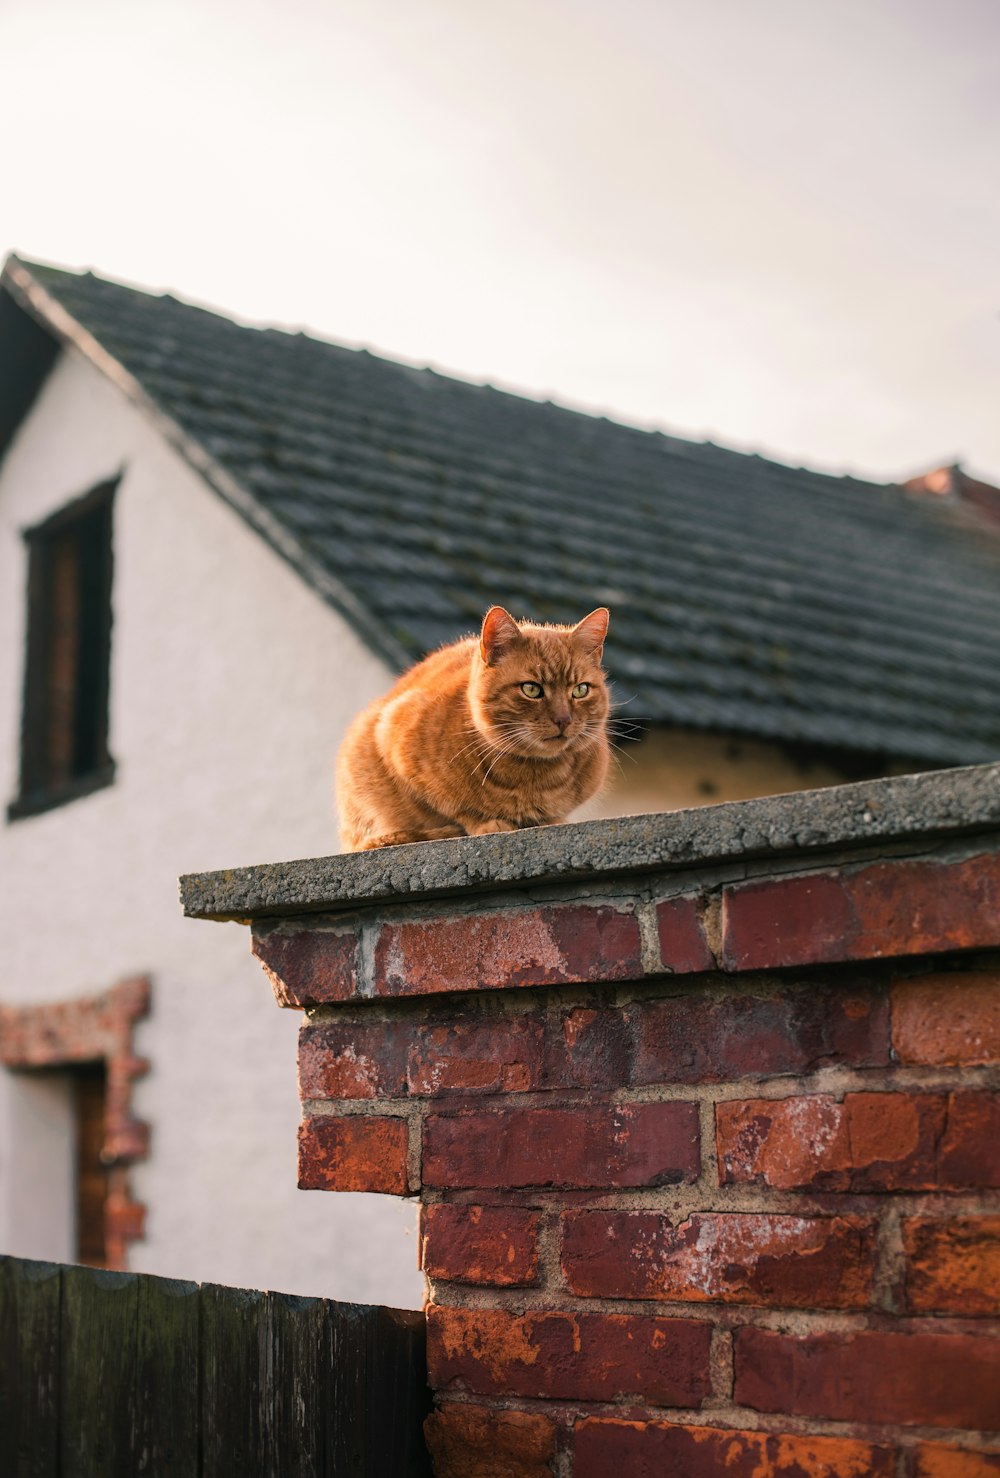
{"points": [[84, 527]]}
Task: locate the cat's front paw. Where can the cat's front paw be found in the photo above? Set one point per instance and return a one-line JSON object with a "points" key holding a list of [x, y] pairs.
{"points": [[488, 828]]}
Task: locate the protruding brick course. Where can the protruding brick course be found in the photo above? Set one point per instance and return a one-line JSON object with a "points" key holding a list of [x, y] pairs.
{"points": [[747, 1034], [602, 1146], [888, 909], [354, 1154], [508, 947], [684, 948], [308, 967]]}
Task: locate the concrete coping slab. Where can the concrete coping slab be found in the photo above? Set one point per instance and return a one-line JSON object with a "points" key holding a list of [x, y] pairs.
{"points": [[906, 808]]}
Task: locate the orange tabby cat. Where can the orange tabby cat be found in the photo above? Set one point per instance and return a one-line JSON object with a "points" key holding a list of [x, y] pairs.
{"points": [[481, 736]]}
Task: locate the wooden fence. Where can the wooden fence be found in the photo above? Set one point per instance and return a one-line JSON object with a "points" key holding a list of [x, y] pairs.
{"points": [[110, 1375]]}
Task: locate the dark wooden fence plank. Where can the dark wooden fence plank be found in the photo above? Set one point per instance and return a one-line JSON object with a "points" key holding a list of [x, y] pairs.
{"points": [[168, 1381], [235, 1341], [29, 1368], [379, 1393], [97, 1396], [346, 1454], [301, 1387], [397, 1397]]}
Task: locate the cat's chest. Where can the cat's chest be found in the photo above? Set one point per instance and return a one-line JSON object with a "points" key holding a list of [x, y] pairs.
{"points": [[527, 793]]}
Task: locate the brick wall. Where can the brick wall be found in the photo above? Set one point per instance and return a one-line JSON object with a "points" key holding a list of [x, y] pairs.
{"points": [[708, 1161]]}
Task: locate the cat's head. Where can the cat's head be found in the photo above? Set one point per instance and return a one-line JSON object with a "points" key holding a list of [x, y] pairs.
{"points": [[539, 691]]}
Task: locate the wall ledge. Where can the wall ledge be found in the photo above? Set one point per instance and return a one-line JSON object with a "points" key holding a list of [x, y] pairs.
{"points": [[845, 818]]}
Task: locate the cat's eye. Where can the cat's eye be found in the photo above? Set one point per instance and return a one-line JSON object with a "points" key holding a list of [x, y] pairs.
{"points": [[580, 691], [531, 690]]}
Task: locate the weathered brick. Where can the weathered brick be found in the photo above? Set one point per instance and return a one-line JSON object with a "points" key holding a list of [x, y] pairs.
{"points": [[886, 909], [952, 1265], [711, 1039], [554, 945], [683, 946], [468, 1441], [601, 1145], [352, 1060], [784, 1261], [909, 1379], [488, 1055], [582, 1357], [606, 1446], [495, 1245], [938, 1460], [353, 1154], [308, 967], [947, 1020], [590, 1047], [400, 1057], [869, 1142]]}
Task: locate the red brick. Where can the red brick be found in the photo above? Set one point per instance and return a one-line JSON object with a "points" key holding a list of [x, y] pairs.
{"points": [[911, 1379], [947, 1020], [883, 910], [711, 1039], [495, 1245], [352, 1059], [935, 1460], [508, 947], [636, 1144], [952, 1265], [580, 1357], [468, 1441], [379, 1059], [353, 1154], [869, 1142], [683, 946], [784, 1261], [491, 1055], [636, 1449], [590, 1048], [968, 1155], [308, 967]]}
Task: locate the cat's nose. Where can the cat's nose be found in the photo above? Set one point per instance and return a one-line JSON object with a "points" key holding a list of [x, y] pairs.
{"points": [[562, 721]]}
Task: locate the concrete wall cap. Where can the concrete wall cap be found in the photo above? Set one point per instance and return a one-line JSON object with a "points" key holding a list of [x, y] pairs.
{"points": [[909, 807]]}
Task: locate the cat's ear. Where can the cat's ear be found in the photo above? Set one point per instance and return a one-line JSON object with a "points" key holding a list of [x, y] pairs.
{"points": [[591, 631], [500, 631]]}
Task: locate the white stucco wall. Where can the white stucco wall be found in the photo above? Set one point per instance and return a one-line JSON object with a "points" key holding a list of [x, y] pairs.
{"points": [[224, 750]]}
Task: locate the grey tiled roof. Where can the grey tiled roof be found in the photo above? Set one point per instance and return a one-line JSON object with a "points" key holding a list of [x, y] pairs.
{"points": [[746, 596]]}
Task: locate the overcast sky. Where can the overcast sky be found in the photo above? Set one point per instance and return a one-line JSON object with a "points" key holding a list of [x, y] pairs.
{"points": [[771, 222]]}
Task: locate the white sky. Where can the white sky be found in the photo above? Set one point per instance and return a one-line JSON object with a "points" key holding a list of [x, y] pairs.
{"points": [[771, 222]]}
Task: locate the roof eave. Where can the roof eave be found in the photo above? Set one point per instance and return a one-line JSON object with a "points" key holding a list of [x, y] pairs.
{"points": [[47, 311]]}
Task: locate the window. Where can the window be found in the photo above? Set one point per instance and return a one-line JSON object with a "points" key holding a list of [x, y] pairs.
{"points": [[64, 732], [68, 1136]]}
